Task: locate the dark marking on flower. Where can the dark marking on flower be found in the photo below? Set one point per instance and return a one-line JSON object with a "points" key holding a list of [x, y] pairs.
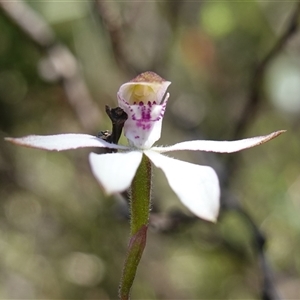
{"points": [[145, 113], [144, 125]]}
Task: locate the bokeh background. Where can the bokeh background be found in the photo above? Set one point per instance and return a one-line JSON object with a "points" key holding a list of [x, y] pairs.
{"points": [[61, 62]]}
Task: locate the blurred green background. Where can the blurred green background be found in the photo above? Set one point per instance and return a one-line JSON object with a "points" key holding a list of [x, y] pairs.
{"points": [[60, 237]]}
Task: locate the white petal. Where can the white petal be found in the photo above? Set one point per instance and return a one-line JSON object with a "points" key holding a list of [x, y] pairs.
{"points": [[115, 171], [196, 186], [62, 142], [220, 146]]}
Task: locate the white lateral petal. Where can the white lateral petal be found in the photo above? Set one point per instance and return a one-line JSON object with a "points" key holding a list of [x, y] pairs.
{"points": [[115, 171], [63, 142], [196, 186], [220, 146]]}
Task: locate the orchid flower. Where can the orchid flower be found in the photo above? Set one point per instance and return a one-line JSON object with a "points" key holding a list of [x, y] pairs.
{"points": [[144, 99]]}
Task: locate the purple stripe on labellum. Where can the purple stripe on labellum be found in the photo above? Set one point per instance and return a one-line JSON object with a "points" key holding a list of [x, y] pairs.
{"points": [[146, 114], [144, 126]]}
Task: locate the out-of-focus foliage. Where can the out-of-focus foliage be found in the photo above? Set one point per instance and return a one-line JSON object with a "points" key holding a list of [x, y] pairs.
{"points": [[61, 238]]}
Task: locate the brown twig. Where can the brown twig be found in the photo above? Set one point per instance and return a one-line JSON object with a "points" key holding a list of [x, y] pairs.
{"points": [[268, 288], [115, 27], [59, 63], [250, 109], [254, 99], [255, 94]]}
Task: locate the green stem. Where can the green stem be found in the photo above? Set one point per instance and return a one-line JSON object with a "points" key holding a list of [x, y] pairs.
{"points": [[139, 210], [140, 196]]}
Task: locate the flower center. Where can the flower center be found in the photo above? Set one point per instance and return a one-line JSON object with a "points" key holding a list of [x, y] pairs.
{"points": [[142, 93]]}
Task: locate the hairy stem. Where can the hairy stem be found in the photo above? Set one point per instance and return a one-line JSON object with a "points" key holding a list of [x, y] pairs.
{"points": [[140, 210]]}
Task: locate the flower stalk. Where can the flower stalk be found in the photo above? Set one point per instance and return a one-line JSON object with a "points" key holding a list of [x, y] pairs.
{"points": [[140, 200], [140, 196], [140, 203]]}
